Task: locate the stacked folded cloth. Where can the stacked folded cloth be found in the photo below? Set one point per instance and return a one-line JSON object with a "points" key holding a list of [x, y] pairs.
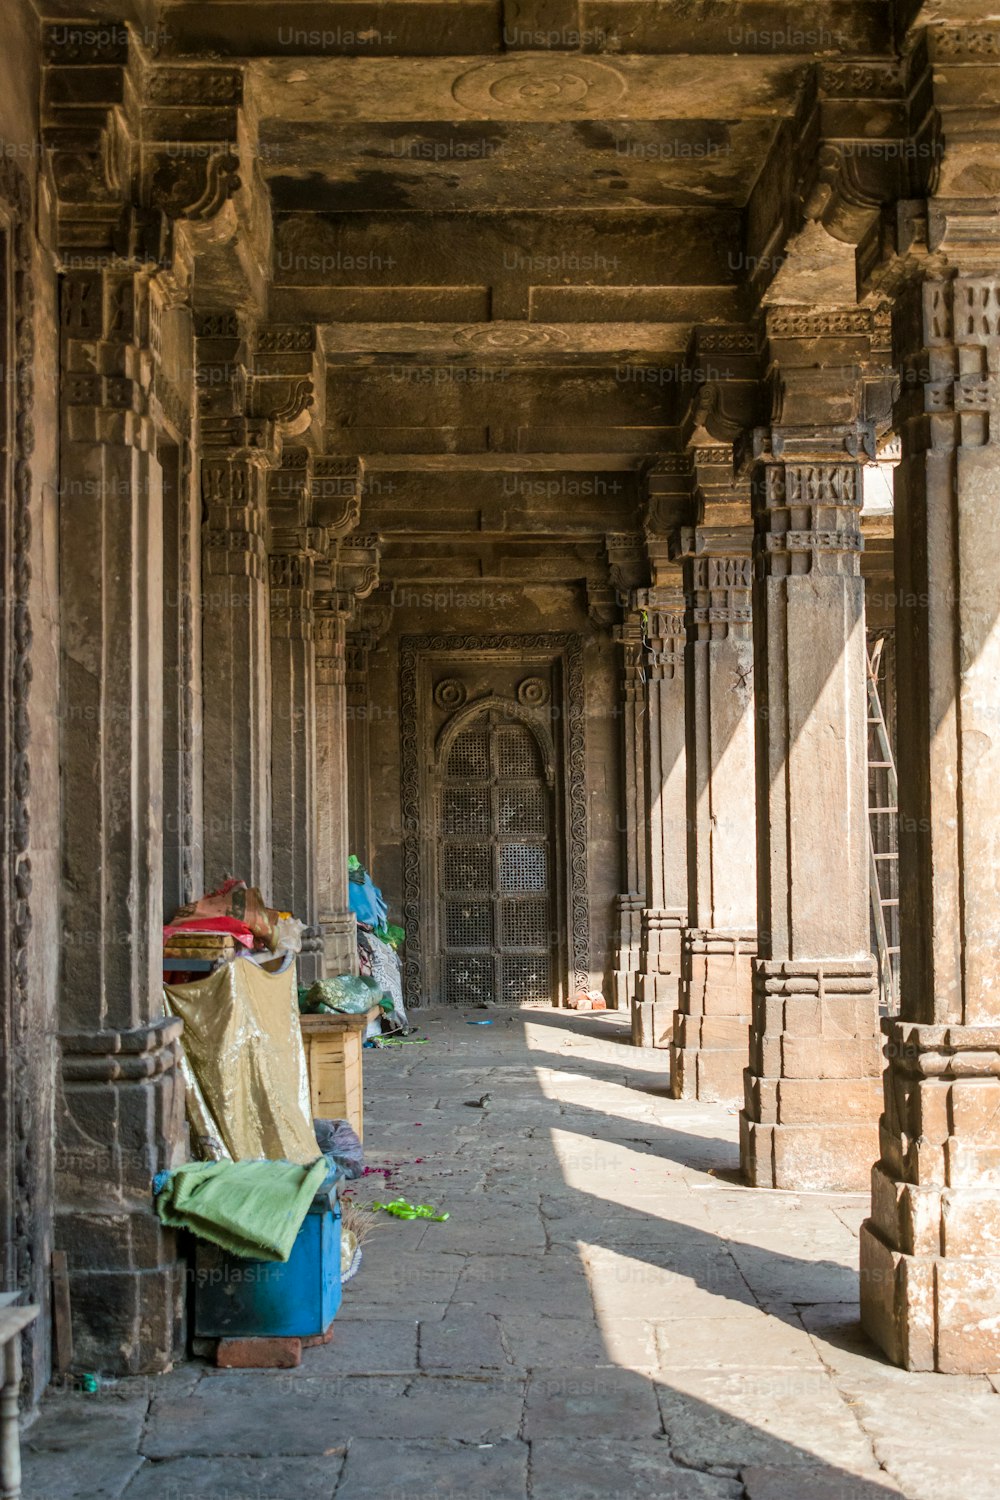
{"points": [[199, 945], [214, 939]]}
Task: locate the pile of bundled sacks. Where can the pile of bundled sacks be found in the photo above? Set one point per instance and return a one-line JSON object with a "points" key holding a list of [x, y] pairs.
{"points": [[379, 980], [232, 922]]}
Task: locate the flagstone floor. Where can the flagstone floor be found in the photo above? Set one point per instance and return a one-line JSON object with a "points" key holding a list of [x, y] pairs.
{"points": [[606, 1313]]}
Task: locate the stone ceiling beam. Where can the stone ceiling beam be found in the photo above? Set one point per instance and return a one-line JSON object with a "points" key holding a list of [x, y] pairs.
{"points": [[527, 87]]}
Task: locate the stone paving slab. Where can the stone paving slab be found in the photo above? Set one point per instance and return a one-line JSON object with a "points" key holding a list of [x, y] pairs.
{"points": [[779, 1418], [597, 1469], [796, 1484], [96, 1473], [569, 1404], [538, 1341], [466, 1339], [938, 1436], [745, 1343], [384, 1469], [238, 1479]]}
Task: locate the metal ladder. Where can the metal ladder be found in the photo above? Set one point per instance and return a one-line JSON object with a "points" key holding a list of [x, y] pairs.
{"points": [[883, 808]]}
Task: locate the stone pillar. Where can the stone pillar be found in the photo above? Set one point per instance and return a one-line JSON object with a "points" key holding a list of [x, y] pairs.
{"points": [[811, 1085], [930, 1252], [237, 452], [337, 924], [666, 848], [121, 1107], [709, 1048], [293, 748], [632, 900], [359, 809]]}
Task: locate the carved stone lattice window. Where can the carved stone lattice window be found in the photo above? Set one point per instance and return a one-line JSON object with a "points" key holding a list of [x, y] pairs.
{"points": [[496, 925], [494, 812]]}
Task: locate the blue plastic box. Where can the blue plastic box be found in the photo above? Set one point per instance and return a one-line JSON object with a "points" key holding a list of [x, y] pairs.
{"points": [[299, 1298]]}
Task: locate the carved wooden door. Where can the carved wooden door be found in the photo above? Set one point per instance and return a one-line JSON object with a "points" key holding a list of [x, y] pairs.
{"points": [[496, 866]]}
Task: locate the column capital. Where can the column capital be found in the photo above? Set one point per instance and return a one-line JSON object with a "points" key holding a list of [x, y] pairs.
{"points": [[718, 572], [107, 368], [291, 572], [663, 610], [808, 516], [950, 391]]}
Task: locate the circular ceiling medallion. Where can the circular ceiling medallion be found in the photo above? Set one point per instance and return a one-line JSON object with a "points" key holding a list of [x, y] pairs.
{"points": [[541, 88], [449, 694], [533, 692], [510, 337]]}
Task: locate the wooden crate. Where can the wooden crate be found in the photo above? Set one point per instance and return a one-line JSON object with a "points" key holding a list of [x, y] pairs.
{"points": [[333, 1057]]}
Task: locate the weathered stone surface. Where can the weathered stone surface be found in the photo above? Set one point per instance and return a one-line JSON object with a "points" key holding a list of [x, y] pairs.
{"points": [[759, 1417], [570, 1403], [743, 1388], [456, 1471], [598, 1467], [463, 1340], [763, 1483], [236, 1478]]}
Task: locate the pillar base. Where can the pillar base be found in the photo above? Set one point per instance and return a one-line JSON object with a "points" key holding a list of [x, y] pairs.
{"points": [[652, 1023], [622, 987], [811, 1091], [340, 944], [708, 1051], [930, 1252], [806, 1158], [121, 1120], [628, 953], [655, 982]]}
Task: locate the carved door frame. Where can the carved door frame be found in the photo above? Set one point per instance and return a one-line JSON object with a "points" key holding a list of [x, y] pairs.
{"points": [[418, 654]]}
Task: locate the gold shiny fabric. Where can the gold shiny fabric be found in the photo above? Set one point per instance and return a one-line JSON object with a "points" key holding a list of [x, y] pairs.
{"points": [[250, 1090]]}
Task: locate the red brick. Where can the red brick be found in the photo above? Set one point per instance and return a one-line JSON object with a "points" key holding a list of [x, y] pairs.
{"points": [[259, 1354]]}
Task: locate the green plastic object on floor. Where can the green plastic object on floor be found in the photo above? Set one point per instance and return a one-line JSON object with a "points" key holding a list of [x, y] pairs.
{"points": [[251, 1208], [400, 1209]]}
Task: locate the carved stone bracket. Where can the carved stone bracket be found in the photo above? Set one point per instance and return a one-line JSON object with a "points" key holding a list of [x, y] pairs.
{"points": [[337, 487], [152, 164]]}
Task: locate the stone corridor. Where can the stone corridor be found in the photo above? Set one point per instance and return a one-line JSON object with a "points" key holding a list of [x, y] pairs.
{"points": [[606, 1312]]}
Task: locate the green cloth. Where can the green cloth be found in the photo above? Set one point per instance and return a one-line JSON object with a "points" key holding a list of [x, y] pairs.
{"points": [[252, 1208]]}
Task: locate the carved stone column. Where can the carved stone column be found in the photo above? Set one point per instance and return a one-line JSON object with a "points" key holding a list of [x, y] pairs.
{"points": [[237, 452], [121, 1109], [293, 743], [930, 1253], [709, 1049], [352, 576], [632, 900], [337, 924], [666, 895], [366, 630], [811, 1085]]}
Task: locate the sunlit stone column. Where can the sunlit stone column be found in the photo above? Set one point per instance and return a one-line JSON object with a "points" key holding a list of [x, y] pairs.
{"points": [[666, 847], [930, 1253], [709, 1048], [810, 1112], [633, 808]]}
